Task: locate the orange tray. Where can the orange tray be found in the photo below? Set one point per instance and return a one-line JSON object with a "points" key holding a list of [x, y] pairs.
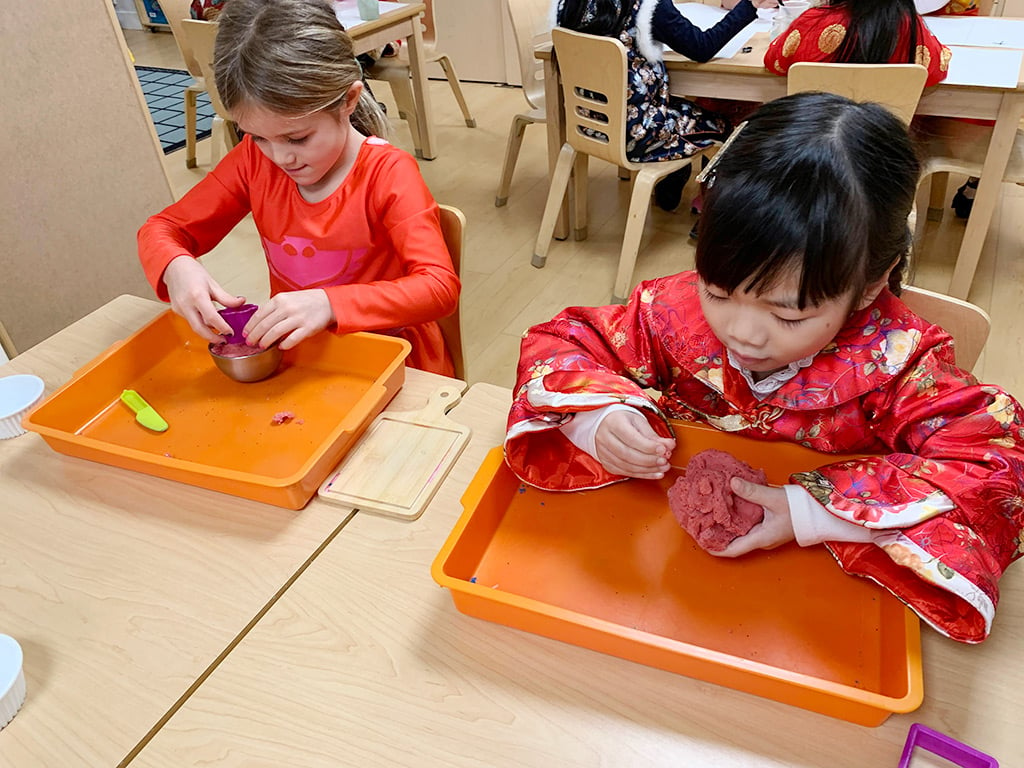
{"points": [[221, 434], [611, 570]]}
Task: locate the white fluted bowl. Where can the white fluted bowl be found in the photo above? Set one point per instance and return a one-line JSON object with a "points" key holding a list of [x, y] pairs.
{"points": [[12, 679], [18, 393]]}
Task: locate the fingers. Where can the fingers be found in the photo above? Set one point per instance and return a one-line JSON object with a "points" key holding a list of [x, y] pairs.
{"points": [[627, 445]]}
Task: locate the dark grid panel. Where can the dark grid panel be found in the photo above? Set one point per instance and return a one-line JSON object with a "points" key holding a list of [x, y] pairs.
{"points": [[165, 90]]}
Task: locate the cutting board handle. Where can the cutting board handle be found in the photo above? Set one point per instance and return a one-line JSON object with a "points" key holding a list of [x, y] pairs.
{"points": [[441, 400]]}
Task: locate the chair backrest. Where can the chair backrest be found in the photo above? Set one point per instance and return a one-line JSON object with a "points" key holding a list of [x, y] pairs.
{"points": [[453, 227], [530, 27], [201, 36], [176, 11], [967, 324], [897, 87], [593, 73]]}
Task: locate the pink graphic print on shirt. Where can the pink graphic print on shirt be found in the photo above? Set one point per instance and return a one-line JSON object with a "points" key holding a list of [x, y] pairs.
{"points": [[298, 263]]}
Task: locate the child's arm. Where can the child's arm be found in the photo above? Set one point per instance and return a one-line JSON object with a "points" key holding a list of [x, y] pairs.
{"points": [[584, 359], [190, 228], [946, 505], [683, 36], [799, 42]]}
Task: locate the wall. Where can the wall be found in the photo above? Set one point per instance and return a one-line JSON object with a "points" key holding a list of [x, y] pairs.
{"points": [[81, 163]]}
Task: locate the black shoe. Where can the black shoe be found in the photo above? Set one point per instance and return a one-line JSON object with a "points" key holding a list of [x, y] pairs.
{"points": [[963, 200], [668, 192]]}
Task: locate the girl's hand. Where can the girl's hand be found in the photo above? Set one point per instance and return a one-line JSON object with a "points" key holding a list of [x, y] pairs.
{"points": [[289, 318], [192, 292], [627, 445], [765, 3], [775, 530]]}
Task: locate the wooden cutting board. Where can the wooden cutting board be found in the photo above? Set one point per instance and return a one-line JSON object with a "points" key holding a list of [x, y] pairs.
{"points": [[401, 460]]}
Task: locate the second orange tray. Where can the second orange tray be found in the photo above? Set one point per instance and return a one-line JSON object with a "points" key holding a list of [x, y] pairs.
{"points": [[611, 570]]}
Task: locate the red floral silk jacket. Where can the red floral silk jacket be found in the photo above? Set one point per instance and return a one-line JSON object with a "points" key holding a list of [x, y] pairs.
{"points": [[943, 497]]}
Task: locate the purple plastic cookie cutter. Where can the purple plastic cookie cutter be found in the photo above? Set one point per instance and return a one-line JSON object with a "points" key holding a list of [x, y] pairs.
{"points": [[944, 746], [237, 317]]}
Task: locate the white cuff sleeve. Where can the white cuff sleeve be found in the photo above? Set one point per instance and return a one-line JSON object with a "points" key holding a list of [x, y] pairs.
{"points": [[582, 428], [813, 524]]}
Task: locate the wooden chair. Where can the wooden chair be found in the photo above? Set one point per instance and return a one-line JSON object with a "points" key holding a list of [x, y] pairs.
{"points": [[967, 324], [530, 26], [176, 11], [593, 71], [395, 71], [955, 146], [897, 87], [201, 36], [453, 227]]}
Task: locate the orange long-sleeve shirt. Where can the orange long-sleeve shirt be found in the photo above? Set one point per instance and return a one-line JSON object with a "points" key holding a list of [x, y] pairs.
{"points": [[374, 245]]}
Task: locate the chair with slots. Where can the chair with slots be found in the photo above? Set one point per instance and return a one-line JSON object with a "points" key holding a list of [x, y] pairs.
{"points": [[593, 71]]}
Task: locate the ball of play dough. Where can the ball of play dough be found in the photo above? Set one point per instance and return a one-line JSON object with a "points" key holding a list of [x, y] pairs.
{"points": [[704, 504]]}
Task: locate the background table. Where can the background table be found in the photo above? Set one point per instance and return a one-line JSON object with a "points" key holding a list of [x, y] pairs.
{"points": [[743, 77], [364, 661], [398, 21], [125, 590]]}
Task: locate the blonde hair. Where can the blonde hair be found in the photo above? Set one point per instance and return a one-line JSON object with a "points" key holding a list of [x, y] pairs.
{"points": [[292, 57]]}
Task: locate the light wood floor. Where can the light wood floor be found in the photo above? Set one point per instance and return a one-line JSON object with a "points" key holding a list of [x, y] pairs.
{"points": [[503, 294]]}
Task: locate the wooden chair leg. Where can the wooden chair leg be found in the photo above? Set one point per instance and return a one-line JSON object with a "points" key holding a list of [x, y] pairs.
{"points": [[937, 199], [512, 146], [401, 89], [639, 202], [453, 81], [580, 188], [190, 128], [559, 184], [924, 187]]}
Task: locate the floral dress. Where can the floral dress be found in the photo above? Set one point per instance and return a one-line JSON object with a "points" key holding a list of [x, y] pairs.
{"points": [[943, 492], [660, 126]]}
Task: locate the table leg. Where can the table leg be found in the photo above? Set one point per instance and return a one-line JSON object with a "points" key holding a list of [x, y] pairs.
{"points": [[1003, 135], [554, 108], [421, 91]]}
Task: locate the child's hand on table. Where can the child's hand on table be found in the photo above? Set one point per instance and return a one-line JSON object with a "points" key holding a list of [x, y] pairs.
{"points": [[628, 445], [289, 318], [192, 292], [775, 530]]}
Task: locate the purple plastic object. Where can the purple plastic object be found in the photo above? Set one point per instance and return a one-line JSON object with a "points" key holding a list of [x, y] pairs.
{"points": [[944, 746], [237, 317]]}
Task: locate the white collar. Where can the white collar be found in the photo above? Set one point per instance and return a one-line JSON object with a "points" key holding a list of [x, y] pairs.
{"points": [[770, 384]]}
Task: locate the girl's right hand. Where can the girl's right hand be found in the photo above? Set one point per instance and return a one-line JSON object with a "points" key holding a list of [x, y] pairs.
{"points": [[192, 292], [627, 444]]}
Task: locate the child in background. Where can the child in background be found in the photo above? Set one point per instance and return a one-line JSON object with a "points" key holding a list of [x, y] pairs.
{"points": [[791, 329], [206, 10], [351, 233], [660, 126], [860, 32]]}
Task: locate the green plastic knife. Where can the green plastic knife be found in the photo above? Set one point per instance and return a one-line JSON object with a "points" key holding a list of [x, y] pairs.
{"points": [[144, 412]]}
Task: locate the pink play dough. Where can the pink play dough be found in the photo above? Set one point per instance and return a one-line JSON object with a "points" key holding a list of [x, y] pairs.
{"points": [[705, 505], [235, 350]]}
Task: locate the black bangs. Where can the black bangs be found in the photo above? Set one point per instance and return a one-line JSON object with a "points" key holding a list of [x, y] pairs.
{"points": [[794, 193]]}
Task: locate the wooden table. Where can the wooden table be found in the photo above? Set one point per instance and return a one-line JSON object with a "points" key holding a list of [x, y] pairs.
{"points": [[744, 78], [125, 590], [364, 661], [398, 21]]}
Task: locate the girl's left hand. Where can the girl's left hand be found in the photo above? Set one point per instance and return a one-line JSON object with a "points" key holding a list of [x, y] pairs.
{"points": [[289, 318], [765, 3], [775, 530]]}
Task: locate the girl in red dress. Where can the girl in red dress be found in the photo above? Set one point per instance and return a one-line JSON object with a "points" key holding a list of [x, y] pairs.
{"points": [[791, 329]]}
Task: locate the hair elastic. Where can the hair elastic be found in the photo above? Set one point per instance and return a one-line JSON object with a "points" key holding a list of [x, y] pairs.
{"points": [[707, 173]]}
